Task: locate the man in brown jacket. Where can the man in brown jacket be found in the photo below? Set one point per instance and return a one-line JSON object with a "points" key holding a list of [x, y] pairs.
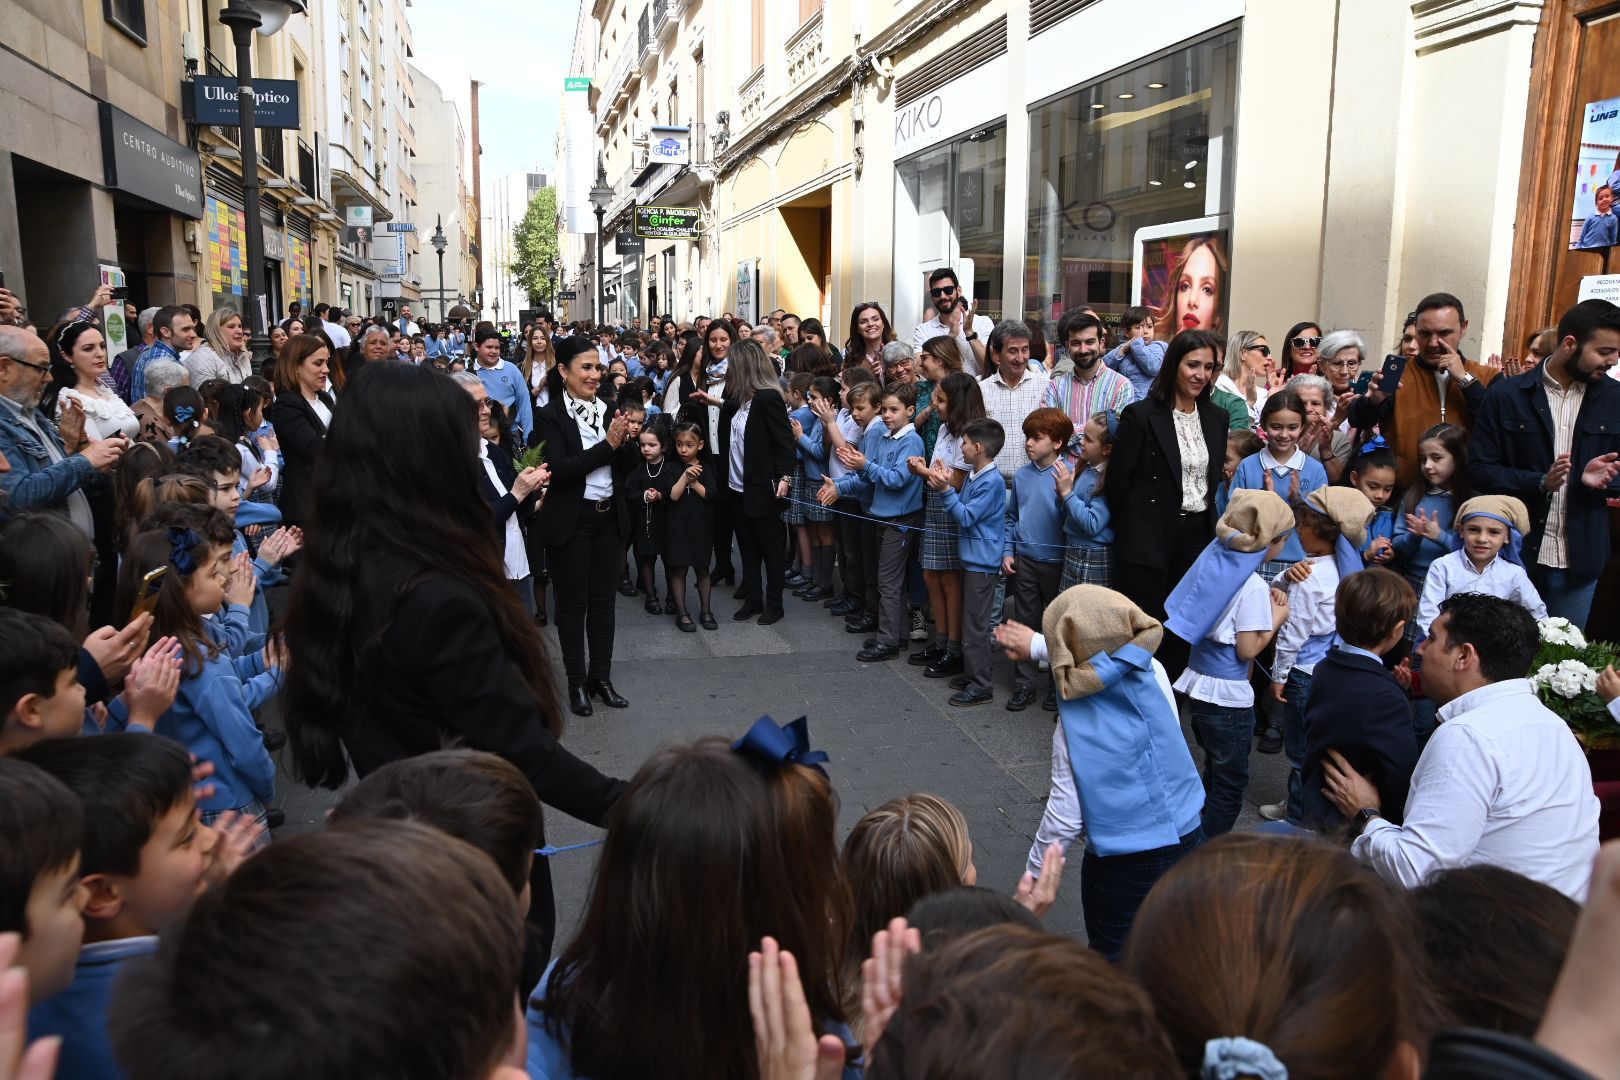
{"points": [[1440, 386]]}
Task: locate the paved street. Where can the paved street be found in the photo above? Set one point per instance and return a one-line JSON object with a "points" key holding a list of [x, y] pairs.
{"points": [[888, 730]]}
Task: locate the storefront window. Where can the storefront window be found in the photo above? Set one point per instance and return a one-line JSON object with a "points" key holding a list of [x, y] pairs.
{"points": [[950, 210], [1143, 150]]}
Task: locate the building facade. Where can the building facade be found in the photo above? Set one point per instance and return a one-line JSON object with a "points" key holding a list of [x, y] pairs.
{"points": [[441, 176]]}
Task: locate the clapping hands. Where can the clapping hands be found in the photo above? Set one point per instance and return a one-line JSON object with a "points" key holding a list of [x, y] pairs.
{"points": [[1424, 523]]}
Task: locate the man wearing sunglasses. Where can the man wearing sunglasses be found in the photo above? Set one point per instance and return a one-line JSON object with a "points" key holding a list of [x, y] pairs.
{"points": [[954, 318], [1439, 386]]}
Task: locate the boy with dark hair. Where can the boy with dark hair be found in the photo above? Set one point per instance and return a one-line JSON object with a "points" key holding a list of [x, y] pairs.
{"points": [[41, 896], [1137, 356], [373, 948], [40, 693], [980, 511], [1354, 706], [146, 859], [1032, 553]]}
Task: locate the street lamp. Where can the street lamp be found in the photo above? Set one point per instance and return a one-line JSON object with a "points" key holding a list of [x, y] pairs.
{"points": [[551, 276], [439, 244], [601, 196], [244, 17]]}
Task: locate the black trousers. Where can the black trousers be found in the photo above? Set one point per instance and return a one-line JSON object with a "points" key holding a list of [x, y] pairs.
{"points": [[761, 540], [1148, 587], [585, 577]]}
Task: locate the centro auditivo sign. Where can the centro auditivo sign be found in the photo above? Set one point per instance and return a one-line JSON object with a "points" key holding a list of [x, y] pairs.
{"points": [[667, 222]]}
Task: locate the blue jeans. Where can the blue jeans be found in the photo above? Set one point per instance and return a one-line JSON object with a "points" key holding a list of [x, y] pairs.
{"points": [[1113, 887], [1293, 736], [1224, 735], [1565, 595]]}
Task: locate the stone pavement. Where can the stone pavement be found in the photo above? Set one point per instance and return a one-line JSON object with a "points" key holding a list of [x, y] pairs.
{"points": [[888, 730]]}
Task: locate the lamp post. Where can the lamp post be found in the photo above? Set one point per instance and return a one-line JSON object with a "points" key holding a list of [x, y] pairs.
{"points": [[601, 197], [244, 17], [439, 244], [551, 276]]}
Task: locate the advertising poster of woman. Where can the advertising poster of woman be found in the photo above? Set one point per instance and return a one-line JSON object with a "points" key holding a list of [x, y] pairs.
{"points": [[1180, 272]]}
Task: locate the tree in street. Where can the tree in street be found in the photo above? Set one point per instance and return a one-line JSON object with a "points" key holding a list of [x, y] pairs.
{"points": [[535, 243]]}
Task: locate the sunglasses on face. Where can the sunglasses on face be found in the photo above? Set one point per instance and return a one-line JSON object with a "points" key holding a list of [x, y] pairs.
{"points": [[1263, 350], [1306, 342], [943, 290]]}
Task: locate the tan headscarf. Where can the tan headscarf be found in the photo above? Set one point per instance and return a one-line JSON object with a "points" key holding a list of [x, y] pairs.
{"points": [[1253, 519], [1505, 507], [1349, 509], [1087, 620]]}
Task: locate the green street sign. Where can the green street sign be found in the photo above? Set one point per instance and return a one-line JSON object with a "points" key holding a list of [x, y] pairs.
{"points": [[582, 82], [667, 222]]}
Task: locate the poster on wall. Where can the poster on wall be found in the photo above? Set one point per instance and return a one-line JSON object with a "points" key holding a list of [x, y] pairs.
{"points": [[1593, 224], [747, 290], [225, 272], [1180, 270], [298, 278]]}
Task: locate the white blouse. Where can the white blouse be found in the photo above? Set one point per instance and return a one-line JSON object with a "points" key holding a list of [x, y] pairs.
{"points": [[105, 413], [1194, 461]]}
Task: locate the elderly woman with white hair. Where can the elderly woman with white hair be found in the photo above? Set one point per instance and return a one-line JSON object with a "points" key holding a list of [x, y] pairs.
{"points": [[161, 377], [1321, 439], [1339, 359], [506, 490], [765, 334]]}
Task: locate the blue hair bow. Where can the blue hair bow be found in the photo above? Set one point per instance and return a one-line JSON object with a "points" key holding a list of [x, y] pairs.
{"points": [[1377, 442], [1113, 423], [788, 744], [181, 541], [184, 413], [1228, 1059]]}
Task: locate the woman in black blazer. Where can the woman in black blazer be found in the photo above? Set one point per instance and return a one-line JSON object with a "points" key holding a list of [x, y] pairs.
{"points": [[300, 414], [758, 475], [1163, 519], [402, 629], [512, 495], [584, 523]]}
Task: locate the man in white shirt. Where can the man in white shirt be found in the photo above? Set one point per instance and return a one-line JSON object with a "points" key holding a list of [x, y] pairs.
{"points": [[1012, 391], [955, 318], [1502, 781], [335, 330], [406, 327]]}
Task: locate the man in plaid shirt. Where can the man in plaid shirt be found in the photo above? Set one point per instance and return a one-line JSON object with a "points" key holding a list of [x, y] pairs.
{"points": [[1091, 387]]}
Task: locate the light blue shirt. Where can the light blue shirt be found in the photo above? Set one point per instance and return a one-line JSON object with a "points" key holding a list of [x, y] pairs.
{"points": [[505, 384]]}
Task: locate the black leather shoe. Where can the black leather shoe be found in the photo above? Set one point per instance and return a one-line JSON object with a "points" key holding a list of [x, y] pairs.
{"points": [[1049, 699], [970, 697], [1022, 699], [748, 611], [275, 817], [603, 689], [861, 624], [706, 620], [815, 592], [774, 615], [740, 592], [579, 702], [958, 683], [948, 665], [1270, 742], [845, 607], [627, 588], [926, 657], [877, 652]]}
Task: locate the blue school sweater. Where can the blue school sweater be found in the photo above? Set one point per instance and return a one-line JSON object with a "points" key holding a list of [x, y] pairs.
{"points": [[812, 444], [1086, 522], [980, 510], [1251, 474], [855, 485], [506, 385], [1414, 551], [1034, 525], [79, 1013], [211, 717], [1382, 527], [896, 491]]}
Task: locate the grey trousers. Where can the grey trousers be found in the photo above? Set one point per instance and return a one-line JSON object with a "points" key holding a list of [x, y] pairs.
{"points": [[895, 546], [978, 651], [1033, 587]]}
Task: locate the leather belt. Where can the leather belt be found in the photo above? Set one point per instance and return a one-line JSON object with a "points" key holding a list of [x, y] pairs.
{"points": [[601, 506]]}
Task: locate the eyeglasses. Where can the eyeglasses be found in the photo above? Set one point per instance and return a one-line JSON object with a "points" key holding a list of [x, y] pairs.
{"points": [[1263, 350], [1343, 365], [37, 367], [943, 290], [1306, 342]]}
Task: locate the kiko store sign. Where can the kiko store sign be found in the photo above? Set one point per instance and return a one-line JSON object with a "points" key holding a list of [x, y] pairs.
{"points": [[211, 100], [146, 163]]}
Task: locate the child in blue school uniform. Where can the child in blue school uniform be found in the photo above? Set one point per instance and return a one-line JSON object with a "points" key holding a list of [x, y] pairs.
{"points": [[1282, 467], [1087, 525], [1224, 610], [856, 426], [897, 504], [1033, 552], [1372, 472], [212, 711], [799, 571], [818, 531], [979, 510]]}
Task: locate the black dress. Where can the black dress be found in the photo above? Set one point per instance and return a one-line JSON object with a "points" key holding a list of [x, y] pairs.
{"points": [[648, 520], [689, 521]]}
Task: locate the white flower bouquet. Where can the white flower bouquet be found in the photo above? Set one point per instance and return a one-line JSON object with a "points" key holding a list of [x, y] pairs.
{"points": [[1565, 678]]}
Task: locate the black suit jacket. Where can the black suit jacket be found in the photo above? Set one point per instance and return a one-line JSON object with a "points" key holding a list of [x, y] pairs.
{"points": [[1356, 707], [502, 503], [570, 463], [1144, 477], [769, 451], [302, 436]]}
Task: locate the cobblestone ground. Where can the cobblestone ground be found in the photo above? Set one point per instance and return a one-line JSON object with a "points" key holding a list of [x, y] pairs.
{"points": [[888, 730]]}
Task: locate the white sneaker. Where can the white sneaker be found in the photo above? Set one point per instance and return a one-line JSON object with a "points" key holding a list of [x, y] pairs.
{"points": [[919, 625], [1274, 811]]}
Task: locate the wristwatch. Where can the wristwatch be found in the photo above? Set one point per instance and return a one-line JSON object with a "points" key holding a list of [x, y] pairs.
{"points": [[972, 336], [1365, 815], [1467, 379]]}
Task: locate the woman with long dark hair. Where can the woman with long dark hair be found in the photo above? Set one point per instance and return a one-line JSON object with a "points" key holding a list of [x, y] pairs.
{"points": [[1162, 477], [402, 630], [757, 457], [1300, 349], [301, 415], [869, 331]]}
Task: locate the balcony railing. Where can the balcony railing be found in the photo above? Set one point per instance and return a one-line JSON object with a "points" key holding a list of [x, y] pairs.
{"points": [[273, 150], [644, 38], [306, 178], [661, 19]]}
